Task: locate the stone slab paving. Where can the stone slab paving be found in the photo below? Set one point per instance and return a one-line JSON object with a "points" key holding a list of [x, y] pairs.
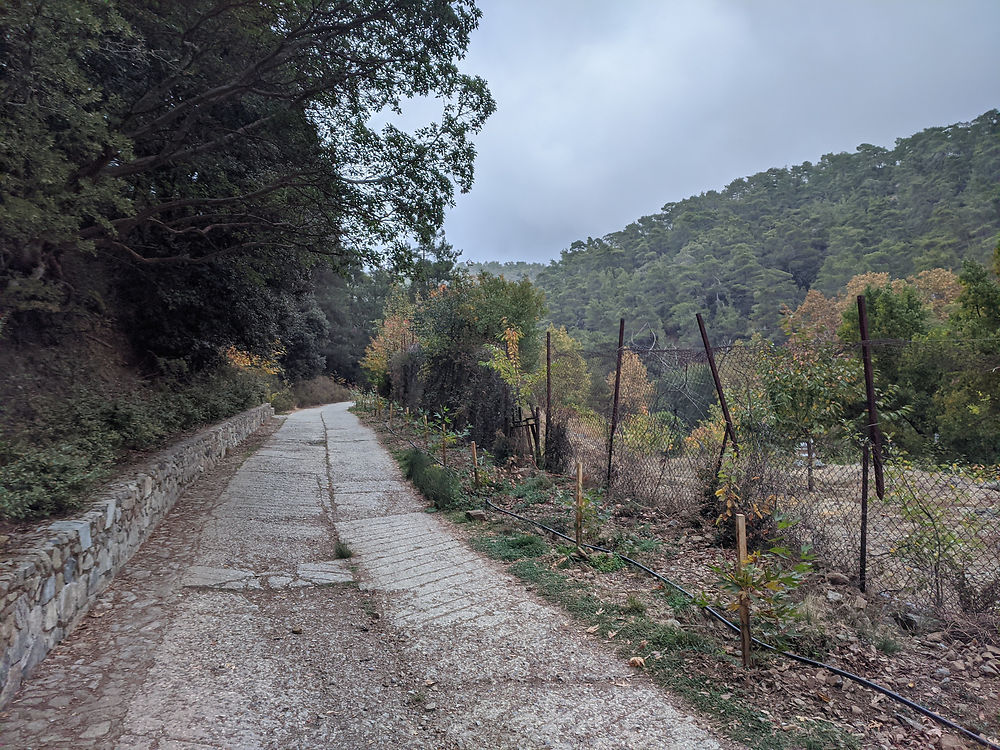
{"points": [[236, 627], [506, 670]]}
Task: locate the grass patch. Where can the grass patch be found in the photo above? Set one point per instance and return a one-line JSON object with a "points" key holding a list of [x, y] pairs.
{"points": [[438, 484], [631, 544], [510, 547], [669, 654], [634, 605], [602, 562], [677, 601], [342, 552], [559, 523], [888, 645], [60, 446], [532, 491]]}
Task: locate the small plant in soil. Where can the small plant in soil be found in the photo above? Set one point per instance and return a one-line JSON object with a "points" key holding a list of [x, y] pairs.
{"points": [[887, 644], [766, 581], [605, 563], [634, 606]]}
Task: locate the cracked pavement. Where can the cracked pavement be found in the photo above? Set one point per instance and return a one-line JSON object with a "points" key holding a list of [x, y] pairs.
{"points": [[235, 626]]}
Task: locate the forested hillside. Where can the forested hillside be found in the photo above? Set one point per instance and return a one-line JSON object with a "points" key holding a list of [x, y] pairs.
{"points": [[512, 270], [738, 255]]}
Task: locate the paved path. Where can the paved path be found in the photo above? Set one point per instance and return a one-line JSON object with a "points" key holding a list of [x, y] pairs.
{"points": [[236, 627]]}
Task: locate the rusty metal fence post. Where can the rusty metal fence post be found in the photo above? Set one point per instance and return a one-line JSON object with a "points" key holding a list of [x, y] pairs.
{"points": [[730, 428], [874, 442], [863, 551], [874, 433], [614, 405]]}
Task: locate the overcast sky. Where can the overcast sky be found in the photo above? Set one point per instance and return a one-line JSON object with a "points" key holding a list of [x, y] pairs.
{"points": [[608, 110]]}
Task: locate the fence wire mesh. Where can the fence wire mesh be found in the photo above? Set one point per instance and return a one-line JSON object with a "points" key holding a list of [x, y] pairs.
{"points": [[803, 452], [578, 397]]}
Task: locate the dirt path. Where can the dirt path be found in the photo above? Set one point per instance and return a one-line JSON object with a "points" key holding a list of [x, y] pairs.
{"points": [[237, 627]]}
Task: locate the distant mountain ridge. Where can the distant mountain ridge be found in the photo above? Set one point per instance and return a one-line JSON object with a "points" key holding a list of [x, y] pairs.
{"points": [[512, 270], [739, 254]]}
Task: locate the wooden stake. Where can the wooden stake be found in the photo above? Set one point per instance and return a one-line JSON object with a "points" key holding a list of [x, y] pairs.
{"points": [[475, 466], [444, 444], [741, 539], [427, 434], [741, 558], [579, 505], [390, 413]]}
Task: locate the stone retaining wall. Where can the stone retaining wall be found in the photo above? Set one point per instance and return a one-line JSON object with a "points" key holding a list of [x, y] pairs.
{"points": [[50, 581]]}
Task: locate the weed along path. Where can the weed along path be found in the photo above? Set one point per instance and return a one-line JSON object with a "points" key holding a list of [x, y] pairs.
{"points": [[241, 625]]}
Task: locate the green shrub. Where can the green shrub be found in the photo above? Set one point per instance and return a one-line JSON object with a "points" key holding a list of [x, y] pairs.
{"points": [[436, 483], [283, 400], [38, 482], [70, 441]]}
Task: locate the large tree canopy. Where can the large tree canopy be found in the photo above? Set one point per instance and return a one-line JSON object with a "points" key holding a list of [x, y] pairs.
{"points": [[165, 132]]}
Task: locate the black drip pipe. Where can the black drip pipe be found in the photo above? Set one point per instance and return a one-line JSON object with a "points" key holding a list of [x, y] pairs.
{"points": [[735, 628], [767, 646]]}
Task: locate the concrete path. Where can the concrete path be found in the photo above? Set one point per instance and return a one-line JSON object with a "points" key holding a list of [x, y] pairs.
{"points": [[235, 626]]}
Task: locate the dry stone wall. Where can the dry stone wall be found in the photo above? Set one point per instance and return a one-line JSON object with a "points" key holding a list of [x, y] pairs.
{"points": [[49, 582]]}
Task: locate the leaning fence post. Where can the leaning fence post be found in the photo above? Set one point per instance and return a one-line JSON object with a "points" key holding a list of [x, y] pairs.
{"points": [[475, 466], [579, 505], [730, 429], [614, 405], [535, 430], [874, 433], [741, 559]]}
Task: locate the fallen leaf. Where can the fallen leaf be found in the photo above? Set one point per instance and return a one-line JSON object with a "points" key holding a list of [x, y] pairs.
{"points": [[637, 661]]}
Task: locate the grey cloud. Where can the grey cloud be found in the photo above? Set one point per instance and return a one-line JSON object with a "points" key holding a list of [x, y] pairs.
{"points": [[609, 110]]}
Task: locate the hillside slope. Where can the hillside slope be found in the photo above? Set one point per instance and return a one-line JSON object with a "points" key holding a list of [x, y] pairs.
{"points": [[739, 254]]}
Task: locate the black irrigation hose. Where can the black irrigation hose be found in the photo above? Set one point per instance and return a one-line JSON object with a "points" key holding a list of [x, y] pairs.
{"points": [[735, 628]]}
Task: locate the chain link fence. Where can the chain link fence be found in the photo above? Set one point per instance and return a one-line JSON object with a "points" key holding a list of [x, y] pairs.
{"points": [[914, 520], [577, 398]]}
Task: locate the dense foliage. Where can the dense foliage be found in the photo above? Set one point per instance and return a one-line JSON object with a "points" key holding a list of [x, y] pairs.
{"points": [[203, 155], [738, 255], [185, 185], [439, 351], [80, 434]]}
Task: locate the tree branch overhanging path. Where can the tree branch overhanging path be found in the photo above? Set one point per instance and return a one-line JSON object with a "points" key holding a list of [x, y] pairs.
{"points": [[185, 131]]}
